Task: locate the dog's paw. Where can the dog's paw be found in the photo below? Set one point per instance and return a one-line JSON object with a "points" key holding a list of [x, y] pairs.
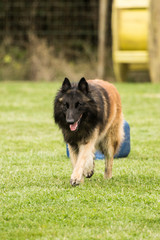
{"points": [[107, 176], [89, 174], [89, 169], [76, 180]]}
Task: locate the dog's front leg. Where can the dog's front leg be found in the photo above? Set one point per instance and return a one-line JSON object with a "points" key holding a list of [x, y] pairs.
{"points": [[73, 151], [84, 157]]}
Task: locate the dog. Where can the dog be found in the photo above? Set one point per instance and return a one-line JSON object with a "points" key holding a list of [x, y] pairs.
{"points": [[89, 113]]}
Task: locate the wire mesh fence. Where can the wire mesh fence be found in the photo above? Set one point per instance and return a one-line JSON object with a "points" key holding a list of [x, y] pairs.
{"points": [[36, 36], [56, 20]]}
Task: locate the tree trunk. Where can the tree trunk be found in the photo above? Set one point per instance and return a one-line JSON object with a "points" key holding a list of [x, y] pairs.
{"points": [[154, 41], [103, 4]]}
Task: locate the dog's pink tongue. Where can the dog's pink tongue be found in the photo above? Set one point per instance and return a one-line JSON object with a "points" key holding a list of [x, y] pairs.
{"points": [[73, 126]]}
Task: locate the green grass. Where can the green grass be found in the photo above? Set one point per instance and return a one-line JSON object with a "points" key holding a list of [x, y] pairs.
{"points": [[36, 199]]}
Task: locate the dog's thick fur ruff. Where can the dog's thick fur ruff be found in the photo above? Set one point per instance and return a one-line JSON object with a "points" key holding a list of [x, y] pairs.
{"points": [[90, 116]]}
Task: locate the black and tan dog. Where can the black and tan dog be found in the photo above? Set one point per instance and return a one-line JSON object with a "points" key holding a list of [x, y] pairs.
{"points": [[90, 116]]}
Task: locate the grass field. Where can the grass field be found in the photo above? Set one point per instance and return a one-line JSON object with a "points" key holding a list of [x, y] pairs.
{"points": [[36, 199]]}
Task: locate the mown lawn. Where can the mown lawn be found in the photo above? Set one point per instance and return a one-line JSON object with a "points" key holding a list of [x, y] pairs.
{"points": [[36, 199]]}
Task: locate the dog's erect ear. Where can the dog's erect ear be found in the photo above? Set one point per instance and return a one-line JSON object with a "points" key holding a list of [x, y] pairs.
{"points": [[66, 85], [83, 85]]}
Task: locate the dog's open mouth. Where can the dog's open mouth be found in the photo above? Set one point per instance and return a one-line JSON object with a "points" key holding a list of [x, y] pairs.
{"points": [[74, 126]]}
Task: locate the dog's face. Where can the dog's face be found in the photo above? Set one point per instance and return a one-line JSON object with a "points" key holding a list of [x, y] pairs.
{"points": [[73, 102]]}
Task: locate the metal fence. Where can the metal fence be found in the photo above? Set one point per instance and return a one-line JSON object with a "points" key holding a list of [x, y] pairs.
{"points": [[56, 20]]}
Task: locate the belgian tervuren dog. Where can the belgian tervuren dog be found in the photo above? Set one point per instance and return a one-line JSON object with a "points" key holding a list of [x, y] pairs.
{"points": [[90, 116]]}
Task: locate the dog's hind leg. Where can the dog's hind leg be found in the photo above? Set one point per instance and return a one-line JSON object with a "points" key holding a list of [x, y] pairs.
{"points": [[108, 167], [113, 141]]}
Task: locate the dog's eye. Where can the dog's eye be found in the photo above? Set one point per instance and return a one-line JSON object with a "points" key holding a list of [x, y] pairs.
{"points": [[66, 105], [77, 104]]}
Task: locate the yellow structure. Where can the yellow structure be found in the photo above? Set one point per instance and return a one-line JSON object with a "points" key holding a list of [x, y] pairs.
{"points": [[130, 36]]}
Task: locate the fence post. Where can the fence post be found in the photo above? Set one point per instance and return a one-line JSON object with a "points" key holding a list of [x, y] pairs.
{"points": [[102, 37], [154, 41]]}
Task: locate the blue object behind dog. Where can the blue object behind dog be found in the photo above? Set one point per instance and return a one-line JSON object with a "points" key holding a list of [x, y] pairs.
{"points": [[124, 148]]}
